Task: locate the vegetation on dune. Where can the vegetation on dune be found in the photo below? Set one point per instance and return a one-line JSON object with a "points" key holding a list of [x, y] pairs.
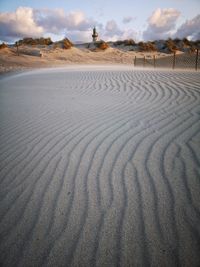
{"points": [[97, 46], [127, 42], [3, 45], [147, 47], [171, 45], [37, 41], [67, 43], [168, 46], [118, 43], [64, 44], [102, 45]]}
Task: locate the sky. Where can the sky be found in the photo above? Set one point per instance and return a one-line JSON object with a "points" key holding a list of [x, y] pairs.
{"points": [[114, 20]]}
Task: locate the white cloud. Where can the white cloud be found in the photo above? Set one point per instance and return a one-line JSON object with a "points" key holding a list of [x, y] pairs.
{"points": [[113, 32], [18, 24], [130, 34], [112, 28], [54, 20], [56, 23], [82, 36], [29, 22], [161, 24], [127, 19], [191, 29]]}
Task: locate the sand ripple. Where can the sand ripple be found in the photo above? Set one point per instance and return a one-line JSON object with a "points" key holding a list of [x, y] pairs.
{"points": [[100, 168]]}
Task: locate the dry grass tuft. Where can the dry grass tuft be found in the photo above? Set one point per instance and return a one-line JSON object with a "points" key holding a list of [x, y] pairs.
{"points": [[102, 45], [171, 46], [147, 47], [127, 42], [37, 41], [67, 44], [3, 45]]}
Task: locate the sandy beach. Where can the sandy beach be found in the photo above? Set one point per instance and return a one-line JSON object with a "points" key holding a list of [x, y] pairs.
{"points": [[28, 57], [100, 166]]}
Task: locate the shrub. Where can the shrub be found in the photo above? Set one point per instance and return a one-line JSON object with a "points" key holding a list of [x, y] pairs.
{"points": [[170, 45], [147, 47], [3, 45], [102, 45], [37, 41], [67, 43], [129, 42], [186, 42], [48, 41], [177, 40], [118, 43]]}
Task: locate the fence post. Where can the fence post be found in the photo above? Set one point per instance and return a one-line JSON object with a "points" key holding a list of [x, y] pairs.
{"points": [[144, 61], [174, 60], [17, 48], [154, 61], [135, 61], [196, 63]]}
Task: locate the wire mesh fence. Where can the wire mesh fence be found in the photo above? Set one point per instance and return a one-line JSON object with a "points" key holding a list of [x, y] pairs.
{"points": [[173, 61]]}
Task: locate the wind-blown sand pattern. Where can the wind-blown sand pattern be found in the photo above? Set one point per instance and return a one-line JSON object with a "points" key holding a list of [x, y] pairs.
{"points": [[100, 166]]}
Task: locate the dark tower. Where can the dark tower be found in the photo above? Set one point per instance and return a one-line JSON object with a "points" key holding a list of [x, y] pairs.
{"points": [[94, 35]]}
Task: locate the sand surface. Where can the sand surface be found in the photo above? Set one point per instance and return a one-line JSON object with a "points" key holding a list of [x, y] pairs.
{"points": [[100, 166], [29, 58]]}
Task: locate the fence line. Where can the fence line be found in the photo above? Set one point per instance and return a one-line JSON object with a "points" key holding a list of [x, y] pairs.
{"points": [[196, 63], [181, 61]]}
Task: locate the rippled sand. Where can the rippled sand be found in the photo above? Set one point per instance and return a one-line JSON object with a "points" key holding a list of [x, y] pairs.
{"points": [[100, 166]]}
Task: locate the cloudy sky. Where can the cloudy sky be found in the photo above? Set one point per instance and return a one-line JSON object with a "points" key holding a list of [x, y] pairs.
{"points": [[114, 20]]}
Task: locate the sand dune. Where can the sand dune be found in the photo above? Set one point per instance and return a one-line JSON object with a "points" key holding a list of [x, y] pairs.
{"points": [[100, 166], [29, 58]]}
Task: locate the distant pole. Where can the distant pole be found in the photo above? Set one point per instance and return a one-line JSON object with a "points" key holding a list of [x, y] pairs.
{"points": [[174, 60], [17, 48], [135, 61], [196, 63], [144, 61], [154, 61]]}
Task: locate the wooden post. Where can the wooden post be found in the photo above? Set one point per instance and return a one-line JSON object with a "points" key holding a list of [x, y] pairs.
{"points": [[196, 63], [154, 61], [135, 61], [174, 60], [144, 61], [17, 48]]}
